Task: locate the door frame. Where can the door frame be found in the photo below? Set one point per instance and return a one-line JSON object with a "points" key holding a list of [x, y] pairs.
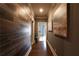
{"points": [[46, 30]]}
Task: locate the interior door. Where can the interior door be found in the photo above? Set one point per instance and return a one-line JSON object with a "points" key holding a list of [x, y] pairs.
{"points": [[42, 31]]}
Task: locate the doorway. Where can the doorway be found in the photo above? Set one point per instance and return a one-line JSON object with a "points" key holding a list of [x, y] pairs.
{"points": [[42, 31]]}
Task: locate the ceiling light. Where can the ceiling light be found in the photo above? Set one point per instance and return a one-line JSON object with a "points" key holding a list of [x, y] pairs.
{"points": [[41, 10]]}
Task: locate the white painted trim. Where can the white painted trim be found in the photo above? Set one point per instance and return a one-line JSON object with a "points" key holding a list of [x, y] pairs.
{"points": [[29, 50], [51, 48]]}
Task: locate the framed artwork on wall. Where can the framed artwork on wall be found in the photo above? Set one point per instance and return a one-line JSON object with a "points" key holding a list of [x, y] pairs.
{"points": [[50, 26], [60, 21]]}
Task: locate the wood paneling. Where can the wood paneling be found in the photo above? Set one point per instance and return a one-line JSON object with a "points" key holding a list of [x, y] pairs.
{"points": [[15, 33]]}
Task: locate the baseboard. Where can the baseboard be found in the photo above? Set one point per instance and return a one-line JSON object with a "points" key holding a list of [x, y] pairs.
{"points": [[29, 50], [51, 48]]}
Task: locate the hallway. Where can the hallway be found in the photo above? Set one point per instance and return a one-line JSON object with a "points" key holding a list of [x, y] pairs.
{"points": [[19, 27], [39, 49], [20, 22]]}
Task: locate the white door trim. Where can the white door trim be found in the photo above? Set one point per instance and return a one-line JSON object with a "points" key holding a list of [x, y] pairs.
{"points": [[29, 50], [51, 48]]}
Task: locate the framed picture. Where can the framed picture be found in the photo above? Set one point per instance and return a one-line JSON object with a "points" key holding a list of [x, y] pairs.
{"points": [[50, 26], [60, 21]]}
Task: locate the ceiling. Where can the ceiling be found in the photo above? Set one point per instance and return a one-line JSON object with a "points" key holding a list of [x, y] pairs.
{"points": [[45, 6], [29, 10]]}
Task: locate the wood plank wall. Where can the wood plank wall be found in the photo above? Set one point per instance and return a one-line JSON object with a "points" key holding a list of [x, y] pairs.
{"points": [[15, 31]]}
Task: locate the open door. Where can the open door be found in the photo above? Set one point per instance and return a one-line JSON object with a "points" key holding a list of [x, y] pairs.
{"points": [[42, 31]]}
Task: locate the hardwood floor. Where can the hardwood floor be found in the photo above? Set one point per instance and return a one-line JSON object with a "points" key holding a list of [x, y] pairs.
{"points": [[40, 49]]}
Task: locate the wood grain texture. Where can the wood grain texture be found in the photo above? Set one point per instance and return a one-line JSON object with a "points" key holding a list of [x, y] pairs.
{"points": [[15, 32], [39, 50]]}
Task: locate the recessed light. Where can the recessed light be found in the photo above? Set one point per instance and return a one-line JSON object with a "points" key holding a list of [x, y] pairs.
{"points": [[41, 10]]}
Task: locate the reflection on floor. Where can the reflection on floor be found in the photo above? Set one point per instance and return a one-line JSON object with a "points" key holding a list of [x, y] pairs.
{"points": [[40, 49], [42, 38]]}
